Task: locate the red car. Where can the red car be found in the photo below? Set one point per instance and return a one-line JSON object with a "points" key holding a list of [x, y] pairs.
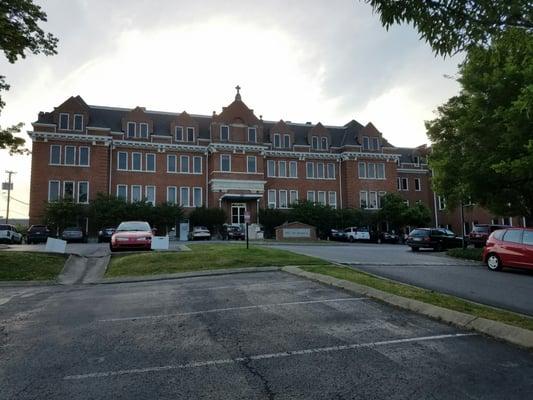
{"points": [[132, 235], [511, 247], [479, 235]]}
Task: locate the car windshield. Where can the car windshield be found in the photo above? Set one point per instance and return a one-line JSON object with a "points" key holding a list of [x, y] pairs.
{"points": [[73, 229], [420, 232], [482, 229], [136, 226], [4, 228], [38, 228]]}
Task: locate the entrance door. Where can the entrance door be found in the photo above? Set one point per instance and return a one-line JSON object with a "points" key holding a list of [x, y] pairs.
{"points": [[237, 213]]}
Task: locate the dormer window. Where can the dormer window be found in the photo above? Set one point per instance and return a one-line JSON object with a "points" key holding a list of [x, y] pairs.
{"points": [[366, 143], [287, 141], [78, 122], [190, 134], [63, 121], [224, 133], [324, 143], [252, 135], [143, 130], [277, 140], [178, 134], [416, 160], [375, 143], [131, 129], [315, 142]]}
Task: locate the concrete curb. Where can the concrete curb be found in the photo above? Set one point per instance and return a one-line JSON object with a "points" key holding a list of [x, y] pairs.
{"points": [[191, 274], [499, 330]]}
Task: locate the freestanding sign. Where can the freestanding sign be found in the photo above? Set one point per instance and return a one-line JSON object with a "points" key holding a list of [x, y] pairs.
{"points": [[247, 221]]}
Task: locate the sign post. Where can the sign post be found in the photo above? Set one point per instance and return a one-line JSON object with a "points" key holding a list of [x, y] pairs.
{"points": [[247, 221]]}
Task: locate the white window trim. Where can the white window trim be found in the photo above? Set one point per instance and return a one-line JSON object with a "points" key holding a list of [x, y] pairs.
{"points": [[278, 136], [175, 163], [221, 138], [176, 133], [334, 204], [126, 191], [73, 189], [295, 170], [286, 194], [295, 197], [419, 185], [146, 162], [321, 142], [248, 158], [74, 124], [118, 161], [271, 174], [318, 164], [128, 129], [175, 199], [250, 129], [325, 202], [363, 194], [140, 192], [271, 204], [372, 143], [312, 169], [280, 163], [368, 141], [441, 203], [78, 192], [194, 189], [201, 165], [50, 160], [314, 196], [287, 136], [182, 157], [327, 171], [68, 121], [221, 157], [384, 171], [406, 184], [88, 156], [370, 200], [146, 193], [141, 124], [193, 133], [58, 189], [361, 173], [140, 159], [73, 147], [182, 204]]}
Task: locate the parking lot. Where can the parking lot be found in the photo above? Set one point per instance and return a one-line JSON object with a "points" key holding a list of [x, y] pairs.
{"points": [[264, 335]]}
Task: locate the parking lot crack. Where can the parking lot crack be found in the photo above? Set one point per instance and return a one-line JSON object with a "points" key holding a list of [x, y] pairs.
{"points": [[266, 384]]}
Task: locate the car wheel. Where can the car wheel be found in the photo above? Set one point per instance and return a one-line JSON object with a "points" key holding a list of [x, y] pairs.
{"points": [[414, 249], [493, 262], [351, 239]]}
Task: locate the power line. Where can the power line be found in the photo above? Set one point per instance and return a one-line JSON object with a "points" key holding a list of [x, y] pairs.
{"points": [[20, 201]]}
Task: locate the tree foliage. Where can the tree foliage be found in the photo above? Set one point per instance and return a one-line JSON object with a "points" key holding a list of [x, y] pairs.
{"points": [[483, 137], [455, 25], [269, 218], [62, 214], [20, 33], [211, 218]]}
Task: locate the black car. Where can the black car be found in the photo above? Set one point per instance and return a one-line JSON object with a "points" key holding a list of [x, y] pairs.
{"points": [[104, 234], [336, 234], [233, 232], [37, 234], [437, 239], [387, 237], [74, 234]]}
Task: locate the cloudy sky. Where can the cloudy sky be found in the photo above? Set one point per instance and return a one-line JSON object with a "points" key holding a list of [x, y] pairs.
{"points": [[305, 60]]}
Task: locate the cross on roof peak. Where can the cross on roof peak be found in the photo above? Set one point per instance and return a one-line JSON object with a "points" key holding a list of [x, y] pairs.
{"points": [[238, 95]]}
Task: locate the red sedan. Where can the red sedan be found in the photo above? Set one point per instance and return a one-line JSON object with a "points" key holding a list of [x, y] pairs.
{"points": [[132, 235], [511, 247]]}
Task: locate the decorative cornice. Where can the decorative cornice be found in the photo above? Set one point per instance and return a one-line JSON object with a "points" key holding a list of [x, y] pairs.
{"points": [[351, 155], [68, 136], [235, 146], [412, 171], [160, 146]]}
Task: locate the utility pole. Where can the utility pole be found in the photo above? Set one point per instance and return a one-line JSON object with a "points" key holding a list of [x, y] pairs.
{"points": [[8, 193]]}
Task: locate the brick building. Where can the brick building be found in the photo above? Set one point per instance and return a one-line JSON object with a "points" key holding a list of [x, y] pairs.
{"points": [[234, 160]]}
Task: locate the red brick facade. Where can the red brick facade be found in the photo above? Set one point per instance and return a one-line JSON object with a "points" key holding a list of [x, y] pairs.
{"points": [[232, 160]]}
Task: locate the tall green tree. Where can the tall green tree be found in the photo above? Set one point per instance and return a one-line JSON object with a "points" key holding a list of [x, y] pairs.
{"points": [[454, 25], [61, 214], [20, 33], [483, 137]]}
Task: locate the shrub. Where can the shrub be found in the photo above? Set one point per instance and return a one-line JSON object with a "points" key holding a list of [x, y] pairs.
{"points": [[467, 254]]}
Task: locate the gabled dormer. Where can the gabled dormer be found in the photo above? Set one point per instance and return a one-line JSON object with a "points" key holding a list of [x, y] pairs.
{"points": [[137, 124], [237, 124], [72, 115], [319, 138], [370, 138], [184, 128], [281, 136]]}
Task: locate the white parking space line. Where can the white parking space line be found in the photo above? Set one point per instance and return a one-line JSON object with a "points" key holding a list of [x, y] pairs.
{"points": [[292, 353], [218, 310]]}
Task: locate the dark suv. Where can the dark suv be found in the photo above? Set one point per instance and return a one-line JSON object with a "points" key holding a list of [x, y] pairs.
{"points": [[437, 239], [37, 234], [233, 232], [479, 235]]}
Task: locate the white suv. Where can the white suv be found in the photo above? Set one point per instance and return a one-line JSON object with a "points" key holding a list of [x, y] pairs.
{"points": [[9, 234], [354, 233]]}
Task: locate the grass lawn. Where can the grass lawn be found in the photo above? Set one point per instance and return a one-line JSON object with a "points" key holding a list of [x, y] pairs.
{"points": [[22, 266], [204, 257], [427, 296], [468, 254]]}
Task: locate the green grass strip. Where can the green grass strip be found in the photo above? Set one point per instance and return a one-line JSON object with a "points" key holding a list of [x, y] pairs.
{"points": [[27, 266]]}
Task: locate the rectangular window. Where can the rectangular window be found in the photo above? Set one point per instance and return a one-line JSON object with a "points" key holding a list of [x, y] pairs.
{"points": [[375, 143], [293, 169], [373, 200], [83, 192], [418, 188], [149, 192], [252, 135], [224, 133], [190, 134], [331, 171], [283, 200], [366, 143], [225, 162], [324, 141], [320, 170], [315, 142], [277, 140], [282, 169], [310, 168], [172, 194], [287, 141], [197, 197], [293, 197], [416, 160], [442, 203], [122, 161], [150, 162], [122, 192], [380, 199], [251, 164], [311, 196], [131, 129], [362, 170], [83, 156], [78, 122], [271, 168], [178, 134], [271, 199], [197, 165], [399, 183], [184, 197], [68, 190], [53, 190], [363, 199], [184, 164], [55, 154], [371, 171], [63, 121], [143, 130], [136, 194], [405, 184], [171, 163], [70, 155], [332, 199], [380, 171], [322, 198], [136, 162]]}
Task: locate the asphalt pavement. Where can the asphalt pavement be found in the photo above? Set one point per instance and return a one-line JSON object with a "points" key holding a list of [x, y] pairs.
{"points": [[266, 335]]}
